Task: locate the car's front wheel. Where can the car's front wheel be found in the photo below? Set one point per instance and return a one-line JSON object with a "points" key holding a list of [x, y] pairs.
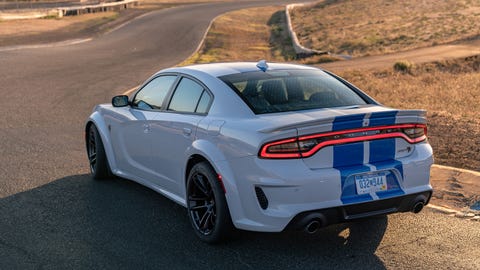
{"points": [[96, 154], [207, 207]]}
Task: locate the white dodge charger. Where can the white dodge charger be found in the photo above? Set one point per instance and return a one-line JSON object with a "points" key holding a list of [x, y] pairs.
{"points": [[263, 147]]}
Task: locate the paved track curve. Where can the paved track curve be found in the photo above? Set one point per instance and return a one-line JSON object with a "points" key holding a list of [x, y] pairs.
{"points": [[53, 216], [48, 92]]}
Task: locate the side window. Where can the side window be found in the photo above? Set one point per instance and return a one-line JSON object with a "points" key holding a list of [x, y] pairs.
{"points": [[152, 95], [204, 102], [189, 97]]}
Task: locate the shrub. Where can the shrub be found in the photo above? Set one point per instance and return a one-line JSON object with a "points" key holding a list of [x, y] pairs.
{"points": [[403, 66]]}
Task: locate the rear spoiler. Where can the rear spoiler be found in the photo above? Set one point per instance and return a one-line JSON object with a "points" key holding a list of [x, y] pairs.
{"points": [[368, 119]]}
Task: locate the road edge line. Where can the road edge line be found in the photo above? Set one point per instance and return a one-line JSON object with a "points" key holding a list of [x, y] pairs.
{"points": [[204, 37], [69, 42], [456, 169], [48, 45], [444, 210]]}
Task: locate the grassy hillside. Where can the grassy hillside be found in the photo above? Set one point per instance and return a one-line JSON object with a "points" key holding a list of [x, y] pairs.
{"points": [[364, 27], [449, 91], [247, 35]]}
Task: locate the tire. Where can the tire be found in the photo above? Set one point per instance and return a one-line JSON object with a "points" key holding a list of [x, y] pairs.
{"points": [[96, 155], [207, 207]]}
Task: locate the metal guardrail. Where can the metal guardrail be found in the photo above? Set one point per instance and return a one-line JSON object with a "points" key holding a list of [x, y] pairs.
{"points": [[66, 11], [22, 5], [102, 7], [18, 5]]}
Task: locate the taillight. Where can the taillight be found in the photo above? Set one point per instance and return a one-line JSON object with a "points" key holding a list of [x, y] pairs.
{"points": [[306, 146], [281, 149], [418, 131]]}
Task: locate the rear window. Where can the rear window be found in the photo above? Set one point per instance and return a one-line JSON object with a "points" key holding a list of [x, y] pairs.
{"points": [[291, 90]]}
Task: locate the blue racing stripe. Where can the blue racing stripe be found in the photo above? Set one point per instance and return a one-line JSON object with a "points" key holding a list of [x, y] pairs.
{"points": [[394, 188], [348, 122], [348, 154], [384, 150], [381, 150], [349, 192], [395, 164], [383, 118], [382, 154], [349, 158]]}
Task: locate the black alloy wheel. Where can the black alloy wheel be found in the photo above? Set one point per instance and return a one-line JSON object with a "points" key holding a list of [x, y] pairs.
{"points": [[96, 154], [207, 206]]}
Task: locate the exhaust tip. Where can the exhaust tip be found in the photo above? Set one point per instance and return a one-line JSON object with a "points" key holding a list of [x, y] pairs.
{"points": [[418, 207], [312, 227]]}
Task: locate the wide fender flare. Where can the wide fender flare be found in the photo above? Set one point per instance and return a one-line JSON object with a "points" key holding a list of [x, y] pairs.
{"points": [[222, 166], [207, 149], [218, 161], [97, 119]]}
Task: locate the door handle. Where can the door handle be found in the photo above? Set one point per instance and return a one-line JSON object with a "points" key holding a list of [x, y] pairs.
{"points": [[187, 131]]}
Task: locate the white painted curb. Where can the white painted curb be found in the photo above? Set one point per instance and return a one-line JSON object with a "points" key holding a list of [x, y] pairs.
{"points": [[456, 169], [299, 49]]}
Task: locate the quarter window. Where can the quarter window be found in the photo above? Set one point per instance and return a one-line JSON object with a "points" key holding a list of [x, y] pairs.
{"points": [[152, 95], [203, 103], [190, 97]]}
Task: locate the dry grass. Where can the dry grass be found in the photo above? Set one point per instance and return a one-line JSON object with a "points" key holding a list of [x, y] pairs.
{"points": [[246, 35], [449, 91], [442, 87], [363, 27]]}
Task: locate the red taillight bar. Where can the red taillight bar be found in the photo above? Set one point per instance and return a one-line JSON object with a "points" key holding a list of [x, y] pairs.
{"points": [[264, 153]]}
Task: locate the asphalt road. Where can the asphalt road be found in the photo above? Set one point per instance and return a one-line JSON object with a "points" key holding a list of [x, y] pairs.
{"points": [[54, 216]]}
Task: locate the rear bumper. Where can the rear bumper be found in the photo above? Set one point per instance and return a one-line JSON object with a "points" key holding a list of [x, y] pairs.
{"points": [[346, 213], [268, 195]]}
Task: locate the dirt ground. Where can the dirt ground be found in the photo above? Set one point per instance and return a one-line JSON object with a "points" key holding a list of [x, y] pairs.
{"points": [[453, 188]]}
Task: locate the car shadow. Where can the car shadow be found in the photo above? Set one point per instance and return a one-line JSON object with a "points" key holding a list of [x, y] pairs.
{"points": [[78, 223]]}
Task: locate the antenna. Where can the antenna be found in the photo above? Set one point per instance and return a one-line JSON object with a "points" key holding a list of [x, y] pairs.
{"points": [[262, 65]]}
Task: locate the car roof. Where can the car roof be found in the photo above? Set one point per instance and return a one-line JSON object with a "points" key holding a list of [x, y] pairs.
{"points": [[222, 69]]}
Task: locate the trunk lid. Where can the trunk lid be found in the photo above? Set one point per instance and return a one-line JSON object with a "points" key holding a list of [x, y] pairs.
{"points": [[344, 130]]}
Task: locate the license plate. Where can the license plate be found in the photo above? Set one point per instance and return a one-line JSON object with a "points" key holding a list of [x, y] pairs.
{"points": [[369, 183]]}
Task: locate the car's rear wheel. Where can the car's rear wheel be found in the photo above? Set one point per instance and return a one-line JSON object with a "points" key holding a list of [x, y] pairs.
{"points": [[207, 207], [96, 154]]}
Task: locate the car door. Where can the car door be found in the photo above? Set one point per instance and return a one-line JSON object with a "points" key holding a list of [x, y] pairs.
{"points": [[174, 131], [132, 136]]}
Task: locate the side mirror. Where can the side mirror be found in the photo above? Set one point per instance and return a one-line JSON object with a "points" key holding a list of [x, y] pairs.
{"points": [[120, 101]]}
